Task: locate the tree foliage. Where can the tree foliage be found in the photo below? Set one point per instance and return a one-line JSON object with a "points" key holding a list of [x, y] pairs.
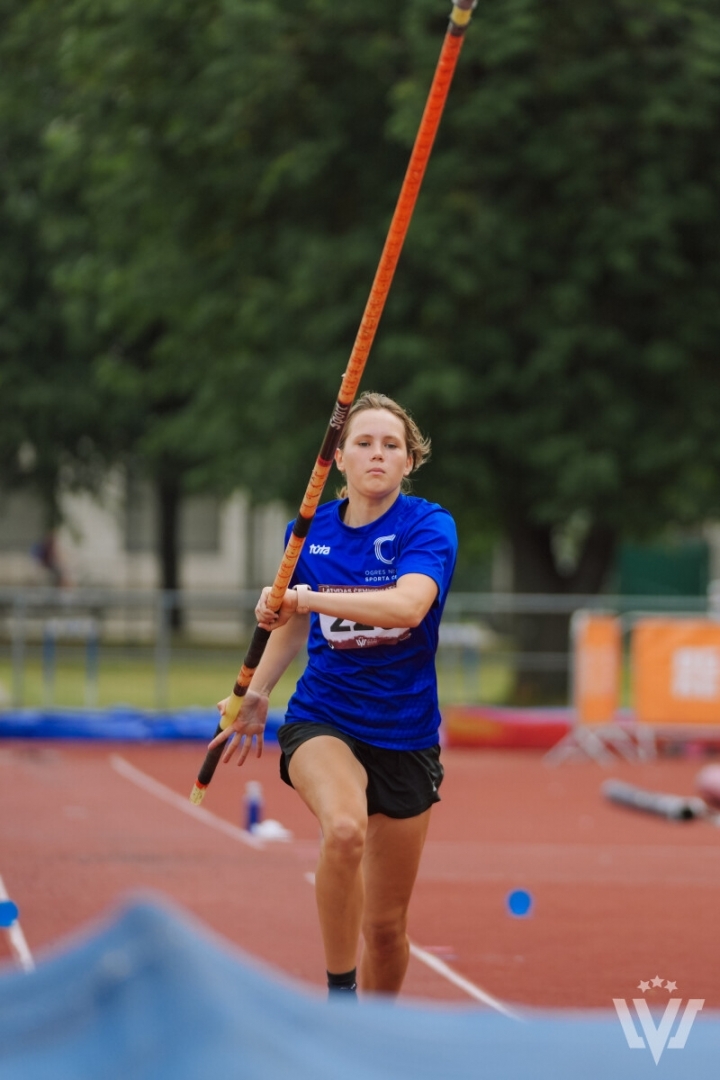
{"points": [[213, 187], [580, 195], [48, 411]]}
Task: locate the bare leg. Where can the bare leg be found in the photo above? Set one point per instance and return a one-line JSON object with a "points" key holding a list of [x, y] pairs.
{"points": [[392, 857], [332, 783]]}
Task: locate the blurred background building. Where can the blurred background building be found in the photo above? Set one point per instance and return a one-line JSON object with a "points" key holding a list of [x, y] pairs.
{"points": [[110, 540]]}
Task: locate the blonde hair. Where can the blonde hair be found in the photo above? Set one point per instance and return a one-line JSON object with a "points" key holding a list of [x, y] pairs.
{"points": [[418, 447]]}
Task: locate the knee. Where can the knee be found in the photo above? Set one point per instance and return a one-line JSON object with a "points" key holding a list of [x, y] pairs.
{"points": [[344, 838], [385, 936]]}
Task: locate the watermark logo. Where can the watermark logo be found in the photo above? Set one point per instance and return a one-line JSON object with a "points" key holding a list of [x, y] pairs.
{"points": [[657, 1037]]}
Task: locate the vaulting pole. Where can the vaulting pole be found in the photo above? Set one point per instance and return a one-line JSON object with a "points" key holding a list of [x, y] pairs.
{"points": [[459, 20]]}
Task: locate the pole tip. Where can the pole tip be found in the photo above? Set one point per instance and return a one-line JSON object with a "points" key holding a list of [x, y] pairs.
{"points": [[197, 794], [460, 16]]}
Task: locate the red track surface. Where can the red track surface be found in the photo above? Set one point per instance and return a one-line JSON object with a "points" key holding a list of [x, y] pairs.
{"points": [[618, 896]]}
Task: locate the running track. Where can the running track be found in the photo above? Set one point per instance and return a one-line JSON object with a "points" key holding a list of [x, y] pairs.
{"points": [[618, 896]]}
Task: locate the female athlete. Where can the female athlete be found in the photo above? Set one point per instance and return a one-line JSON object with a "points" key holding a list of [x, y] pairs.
{"points": [[360, 738]]}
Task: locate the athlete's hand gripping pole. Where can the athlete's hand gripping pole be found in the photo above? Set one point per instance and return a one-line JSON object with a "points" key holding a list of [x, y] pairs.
{"points": [[459, 20]]}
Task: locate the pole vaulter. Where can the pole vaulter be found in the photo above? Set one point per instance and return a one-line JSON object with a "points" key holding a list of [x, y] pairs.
{"points": [[459, 21]]}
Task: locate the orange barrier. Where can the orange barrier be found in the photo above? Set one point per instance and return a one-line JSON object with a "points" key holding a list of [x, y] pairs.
{"points": [[676, 671], [597, 664], [597, 658]]}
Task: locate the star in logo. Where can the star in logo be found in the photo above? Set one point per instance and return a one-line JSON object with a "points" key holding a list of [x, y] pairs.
{"points": [[657, 982]]}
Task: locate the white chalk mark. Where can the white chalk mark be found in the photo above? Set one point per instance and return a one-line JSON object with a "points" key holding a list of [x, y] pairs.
{"points": [[441, 968], [199, 813], [462, 983], [154, 787]]}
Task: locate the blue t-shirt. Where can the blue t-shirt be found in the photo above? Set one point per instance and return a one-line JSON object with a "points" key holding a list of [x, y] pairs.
{"points": [[375, 684]]}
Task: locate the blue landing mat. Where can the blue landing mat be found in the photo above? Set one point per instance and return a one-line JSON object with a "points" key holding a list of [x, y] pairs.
{"points": [[152, 995], [118, 724]]}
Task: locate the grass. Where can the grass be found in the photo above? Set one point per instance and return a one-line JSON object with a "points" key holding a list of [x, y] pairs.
{"points": [[134, 681], [194, 677]]}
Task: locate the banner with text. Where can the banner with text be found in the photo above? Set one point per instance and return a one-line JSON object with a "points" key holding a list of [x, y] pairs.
{"points": [[676, 671]]}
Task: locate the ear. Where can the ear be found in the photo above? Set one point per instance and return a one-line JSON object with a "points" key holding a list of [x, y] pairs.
{"points": [[408, 465], [339, 460]]}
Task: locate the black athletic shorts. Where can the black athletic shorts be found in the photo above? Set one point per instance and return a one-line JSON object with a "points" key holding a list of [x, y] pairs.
{"points": [[401, 783]]}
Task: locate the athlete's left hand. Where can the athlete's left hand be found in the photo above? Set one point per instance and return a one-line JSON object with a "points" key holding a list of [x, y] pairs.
{"points": [[272, 620]]}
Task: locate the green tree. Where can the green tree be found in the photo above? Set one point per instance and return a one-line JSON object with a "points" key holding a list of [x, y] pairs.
{"points": [[48, 414], [194, 135], [565, 267], [553, 320], [140, 271]]}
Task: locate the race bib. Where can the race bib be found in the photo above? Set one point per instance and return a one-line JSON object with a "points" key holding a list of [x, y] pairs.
{"points": [[345, 634]]}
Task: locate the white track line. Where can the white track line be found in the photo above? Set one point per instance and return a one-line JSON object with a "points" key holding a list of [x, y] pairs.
{"points": [[154, 787], [447, 972], [18, 944], [470, 988]]}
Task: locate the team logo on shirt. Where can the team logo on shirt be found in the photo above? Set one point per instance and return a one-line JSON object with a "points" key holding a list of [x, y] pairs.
{"points": [[346, 634], [319, 549], [378, 549]]}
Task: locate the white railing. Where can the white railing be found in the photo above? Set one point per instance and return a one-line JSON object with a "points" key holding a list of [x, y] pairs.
{"points": [[44, 633]]}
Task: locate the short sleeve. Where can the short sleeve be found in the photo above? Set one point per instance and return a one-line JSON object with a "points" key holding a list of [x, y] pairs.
{"points": [[430, 547]]}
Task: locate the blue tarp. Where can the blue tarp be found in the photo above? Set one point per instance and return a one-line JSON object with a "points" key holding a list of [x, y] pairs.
{"points": [[119, 724], [153, 996]]}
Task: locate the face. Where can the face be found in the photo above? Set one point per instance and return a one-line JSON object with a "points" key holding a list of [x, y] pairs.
{"points": [[374, 457]]}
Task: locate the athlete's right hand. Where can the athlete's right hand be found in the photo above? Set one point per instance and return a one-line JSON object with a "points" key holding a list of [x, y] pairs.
{"points": [[248, 725]]}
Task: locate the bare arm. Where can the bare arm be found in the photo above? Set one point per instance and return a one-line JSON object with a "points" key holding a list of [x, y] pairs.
{"points": [[405, 605], [281, 650]]}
